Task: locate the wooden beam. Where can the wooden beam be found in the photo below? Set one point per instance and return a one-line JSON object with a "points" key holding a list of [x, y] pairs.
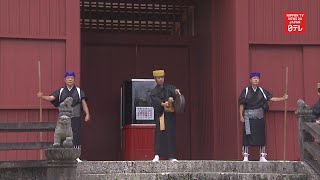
{"points": [[23, 164], [313, 149], [181, 2], [314, 164], [27, 126], [25, 146], [313, 129], [134, 16]]}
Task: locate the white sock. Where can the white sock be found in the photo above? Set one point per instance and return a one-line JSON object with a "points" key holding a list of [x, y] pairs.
{"points": [[156, 158]]}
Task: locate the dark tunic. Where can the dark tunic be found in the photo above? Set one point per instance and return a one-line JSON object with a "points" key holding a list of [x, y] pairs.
{"points": [[77, 107], [165, 141], [316, 110], [254, 100]]}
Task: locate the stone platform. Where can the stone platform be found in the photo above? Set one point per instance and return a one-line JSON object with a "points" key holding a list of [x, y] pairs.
{"points": [[193, 170], [163, 170]]}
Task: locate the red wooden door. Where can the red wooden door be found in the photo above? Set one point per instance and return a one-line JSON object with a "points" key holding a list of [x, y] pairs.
{"points": [[271, 62], [30, 31]]}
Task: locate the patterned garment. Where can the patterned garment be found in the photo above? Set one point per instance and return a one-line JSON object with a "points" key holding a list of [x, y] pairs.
{"points": [[252, 114]]}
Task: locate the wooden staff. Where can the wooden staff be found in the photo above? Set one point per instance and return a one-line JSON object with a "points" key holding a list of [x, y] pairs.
{"points": [[40, 104], [285, 117]]}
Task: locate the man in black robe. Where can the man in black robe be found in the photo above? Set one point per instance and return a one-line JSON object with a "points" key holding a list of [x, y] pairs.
{"points": [[78, 103], [163, 97], [253, 102]]}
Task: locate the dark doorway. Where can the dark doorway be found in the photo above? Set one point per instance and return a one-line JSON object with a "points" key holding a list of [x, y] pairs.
{"points": [[122, 41]]}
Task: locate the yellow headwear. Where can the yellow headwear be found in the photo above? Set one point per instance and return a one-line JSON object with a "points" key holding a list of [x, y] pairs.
{"points": [[158, 73]]}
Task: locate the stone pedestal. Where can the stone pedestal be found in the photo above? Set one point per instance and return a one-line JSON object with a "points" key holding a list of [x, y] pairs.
{"points": [[61, 163]]}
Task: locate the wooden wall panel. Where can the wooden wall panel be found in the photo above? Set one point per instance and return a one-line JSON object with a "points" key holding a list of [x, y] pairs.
{"points": [[19, 71], [224, 81], [102, 64], [24, 115], [271, 62], [275, 136], [33, 18], [33, 30], [266, 21]]}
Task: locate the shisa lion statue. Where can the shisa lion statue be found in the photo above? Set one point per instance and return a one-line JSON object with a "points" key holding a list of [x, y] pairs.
{"points": [[63, 131], [302, 104]]}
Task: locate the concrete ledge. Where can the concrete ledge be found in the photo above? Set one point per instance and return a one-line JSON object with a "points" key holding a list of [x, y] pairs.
{"points": [[16, 170], [193, 176], [22, 164], [103, 167], [310, 172], [191, 170]]}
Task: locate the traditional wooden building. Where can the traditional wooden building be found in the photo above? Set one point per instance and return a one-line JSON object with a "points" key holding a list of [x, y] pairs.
{"points": [[207, 47]]}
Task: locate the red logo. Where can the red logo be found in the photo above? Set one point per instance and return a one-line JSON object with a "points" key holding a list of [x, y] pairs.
{"points": [[294, 22]]}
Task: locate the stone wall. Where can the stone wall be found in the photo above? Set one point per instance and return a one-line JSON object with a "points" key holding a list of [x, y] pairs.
{"points": [[23, 170]]}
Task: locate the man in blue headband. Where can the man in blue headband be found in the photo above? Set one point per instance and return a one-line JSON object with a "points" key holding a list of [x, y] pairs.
{"points": [[254, 74], [79, 102], [253, 102]]}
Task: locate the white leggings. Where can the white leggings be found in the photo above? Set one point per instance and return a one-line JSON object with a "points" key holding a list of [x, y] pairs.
{"points": [[245, 149]]}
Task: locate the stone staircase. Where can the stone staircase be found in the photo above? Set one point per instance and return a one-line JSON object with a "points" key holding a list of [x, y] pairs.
{"points": [[194, 170]]}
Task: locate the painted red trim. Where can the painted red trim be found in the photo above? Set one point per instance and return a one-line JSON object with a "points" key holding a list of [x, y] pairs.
{"points": [[125, 39], [22, 36], [287, 42], [13, 107], [242, 59]]}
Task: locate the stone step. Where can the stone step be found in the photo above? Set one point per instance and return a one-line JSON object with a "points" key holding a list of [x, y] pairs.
{"points": [[193, 176], [105, 167]]}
